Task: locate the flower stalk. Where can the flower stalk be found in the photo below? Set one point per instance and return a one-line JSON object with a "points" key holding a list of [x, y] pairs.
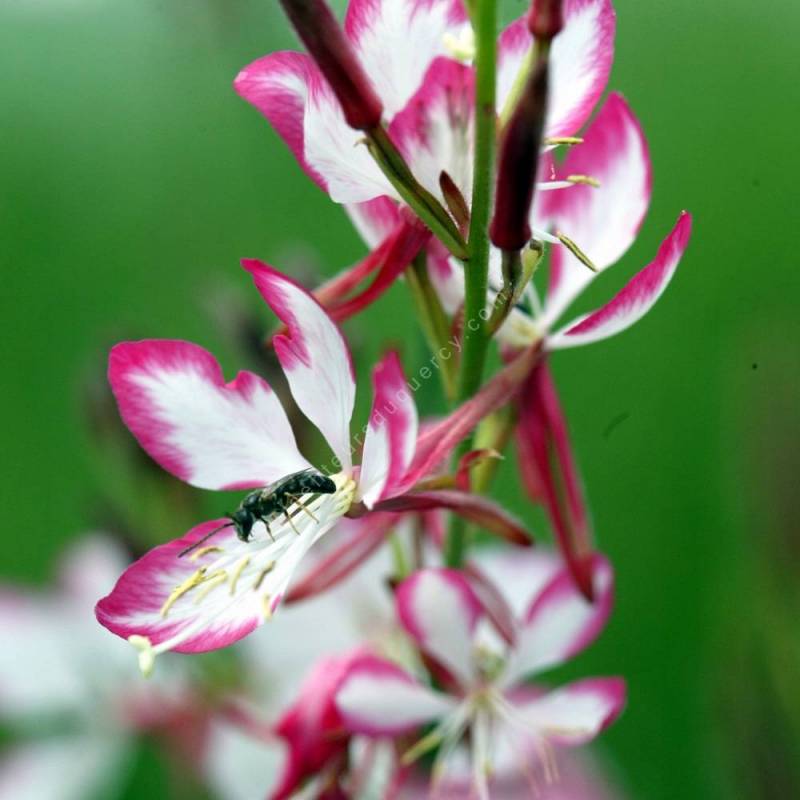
{"points": [[476, 269]]}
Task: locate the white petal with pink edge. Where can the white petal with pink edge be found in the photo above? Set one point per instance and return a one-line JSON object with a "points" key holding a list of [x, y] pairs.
{"points": [[378, 698], [636, 298], [392, 432], [440, 609], [603, 221], [289, 90], [519, 575], [314, 356], [576, 713], [580, 62], [220, 591], [396, 41], [215, 435], [560, 623], [337, 152], [435, 130], [278, 85]]}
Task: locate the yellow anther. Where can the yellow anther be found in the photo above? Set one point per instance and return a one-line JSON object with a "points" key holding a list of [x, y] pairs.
{"points": [[584, 180], [147, 655], [263, 574], [237, 573], [266, 607], [195, 579], [576, 251], [211, 582], [553, 141], [205, 551]]}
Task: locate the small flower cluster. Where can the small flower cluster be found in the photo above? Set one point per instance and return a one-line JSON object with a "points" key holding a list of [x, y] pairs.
{"points": [[463, 161]]}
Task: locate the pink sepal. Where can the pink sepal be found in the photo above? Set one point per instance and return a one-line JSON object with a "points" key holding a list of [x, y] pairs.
{"points": [[475, 508], [546, 453], [437, 441], [397, 253]]}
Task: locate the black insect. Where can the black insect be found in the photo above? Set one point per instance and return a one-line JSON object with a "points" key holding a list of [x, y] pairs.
{"points": [[267, 504]]}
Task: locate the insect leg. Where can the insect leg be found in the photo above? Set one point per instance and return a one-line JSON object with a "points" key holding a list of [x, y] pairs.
{"points": [[289, 520], [302, 505]]}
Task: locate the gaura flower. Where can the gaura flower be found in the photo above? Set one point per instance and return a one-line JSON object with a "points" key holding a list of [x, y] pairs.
{"points": [[58, 669], [413, 53], [605, 219], [486, 693], [190, 595]]}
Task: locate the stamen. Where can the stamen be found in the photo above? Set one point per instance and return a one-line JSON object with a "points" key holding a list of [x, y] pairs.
{"points": [[576, 251], [481, 767], [547, 756], [423, 745], [147, 656], [237, 573], [211, 548], [266, 607], [263, 574], [554, 141], [584, 180], [211, 582], [195, 579]]}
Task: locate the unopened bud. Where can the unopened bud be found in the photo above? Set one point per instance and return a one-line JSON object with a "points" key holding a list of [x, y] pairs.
{"points": [[322, 35], [456, 204], [545, 19], [519, 158]]}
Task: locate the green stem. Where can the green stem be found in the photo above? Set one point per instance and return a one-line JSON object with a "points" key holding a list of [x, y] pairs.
{"points": [[435, 323], [477, 267]]}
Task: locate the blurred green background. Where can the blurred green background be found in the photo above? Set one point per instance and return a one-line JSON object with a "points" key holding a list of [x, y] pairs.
{"points": [[132, 179]]}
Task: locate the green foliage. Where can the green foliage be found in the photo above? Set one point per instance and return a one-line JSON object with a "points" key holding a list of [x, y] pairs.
{"points": [[133, 179]]}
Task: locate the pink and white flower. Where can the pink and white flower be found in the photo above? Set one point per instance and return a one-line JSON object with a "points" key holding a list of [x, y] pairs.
{"points": [[235, 435], [605, 221], [417, 55], [484, 675], [56, 664]]}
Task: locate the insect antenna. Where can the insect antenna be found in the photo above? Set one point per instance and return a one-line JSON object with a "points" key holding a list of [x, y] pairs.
{"points": [[205, 538]]}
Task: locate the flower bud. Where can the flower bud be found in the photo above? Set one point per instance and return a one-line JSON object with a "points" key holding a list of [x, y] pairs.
{"points": [[545, 19], [519, 158], [322, 35]]}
